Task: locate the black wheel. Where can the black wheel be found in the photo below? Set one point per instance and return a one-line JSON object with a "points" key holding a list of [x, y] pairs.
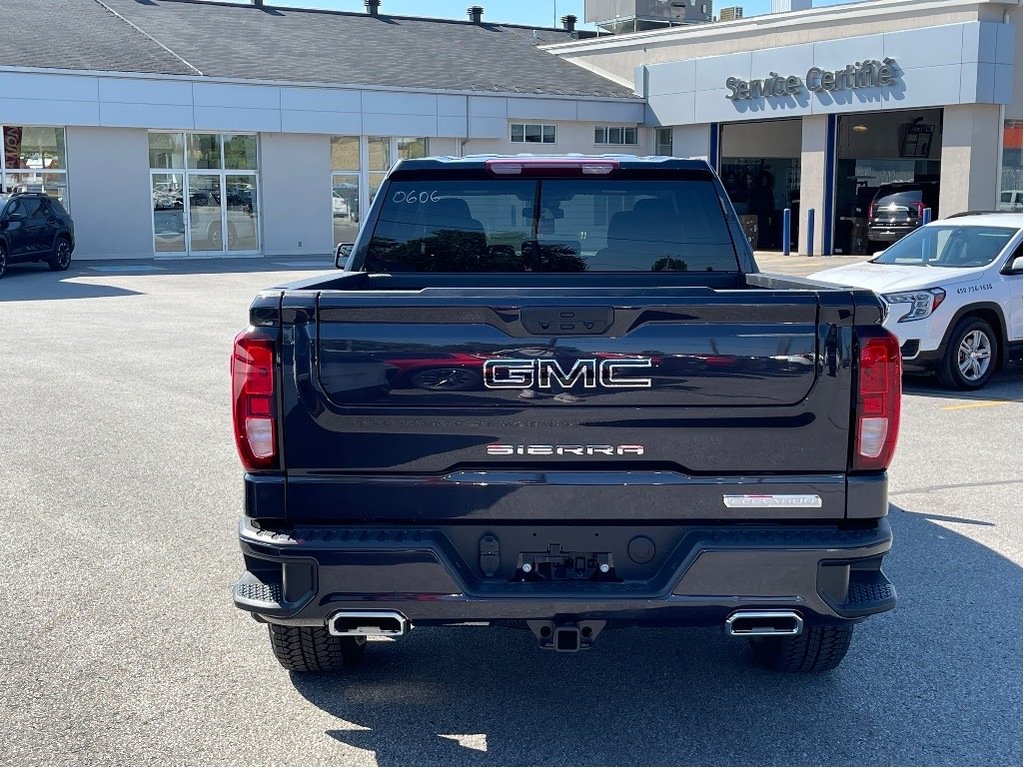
{"points": [[817, 649], [314, 649], [447, 379], [3, 259], [971, 355], [61, 258]]}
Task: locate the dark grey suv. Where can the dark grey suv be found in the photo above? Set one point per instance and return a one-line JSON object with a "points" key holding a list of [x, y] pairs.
{"points": [[35, 227], [898, 209]]}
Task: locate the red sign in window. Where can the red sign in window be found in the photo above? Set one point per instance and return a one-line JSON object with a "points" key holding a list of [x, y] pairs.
{"points": [[1012, 130]]}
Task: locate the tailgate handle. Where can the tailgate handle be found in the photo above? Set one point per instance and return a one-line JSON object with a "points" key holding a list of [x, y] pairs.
{"points": [[567, 321]]}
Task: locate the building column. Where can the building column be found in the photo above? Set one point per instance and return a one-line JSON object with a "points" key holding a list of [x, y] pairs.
{"points": [[970, 158], [814, 159]]}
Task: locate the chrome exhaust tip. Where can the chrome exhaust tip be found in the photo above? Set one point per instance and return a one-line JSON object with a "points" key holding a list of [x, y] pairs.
{"points": [[368, 624], [764, 624]]}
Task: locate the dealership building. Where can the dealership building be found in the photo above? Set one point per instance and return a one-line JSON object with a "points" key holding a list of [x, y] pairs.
{"points": [[176, 128]]}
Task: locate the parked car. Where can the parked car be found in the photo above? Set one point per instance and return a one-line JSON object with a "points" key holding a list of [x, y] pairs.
{"points": [[952, 292], [898, 209], [345, 201], [35, 227], [1011, 200], [631, 427]]}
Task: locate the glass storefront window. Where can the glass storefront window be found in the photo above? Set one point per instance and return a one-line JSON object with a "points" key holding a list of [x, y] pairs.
{"points": [[1011, 186], [345, 153], [166, 150], [376, 179], [35, 148], [354, 184], [168, 212], [663, 140], [242, 208], [240, 152], [206, 208], [345, 206], [34, 160], [205, 225], [409, 149], [204, 150], [380, 153], [53, 184]]}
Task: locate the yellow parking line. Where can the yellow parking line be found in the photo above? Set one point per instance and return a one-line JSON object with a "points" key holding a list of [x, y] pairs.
{"points": [[982, 404]]}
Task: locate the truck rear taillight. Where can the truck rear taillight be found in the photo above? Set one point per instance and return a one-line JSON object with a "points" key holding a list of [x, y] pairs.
{"points": [[879, 386], [252, 389]]}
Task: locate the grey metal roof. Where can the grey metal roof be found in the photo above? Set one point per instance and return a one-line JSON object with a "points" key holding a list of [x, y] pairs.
{"points": [[219, 39]]}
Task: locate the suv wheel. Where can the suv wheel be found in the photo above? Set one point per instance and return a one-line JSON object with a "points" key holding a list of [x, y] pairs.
{"points": [[816, 649], [3, 259], [61, 258], [314, 649], [971, 355]]}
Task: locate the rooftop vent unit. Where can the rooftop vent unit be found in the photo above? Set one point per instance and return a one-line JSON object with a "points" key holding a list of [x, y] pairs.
{"points": [[622, 16], [476, 13], [372, 7], [569, 23]]}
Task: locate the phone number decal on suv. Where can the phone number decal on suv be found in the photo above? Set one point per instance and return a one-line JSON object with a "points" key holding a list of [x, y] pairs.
{"points": [[975, 288]]}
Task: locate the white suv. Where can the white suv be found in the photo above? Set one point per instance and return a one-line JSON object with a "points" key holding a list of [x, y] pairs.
{"points": [[952, 293]]}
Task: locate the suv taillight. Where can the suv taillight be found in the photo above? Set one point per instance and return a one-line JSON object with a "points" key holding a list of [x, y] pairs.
{"points": [[879, 386], [252, 390], [918, 209], [873, 210]]}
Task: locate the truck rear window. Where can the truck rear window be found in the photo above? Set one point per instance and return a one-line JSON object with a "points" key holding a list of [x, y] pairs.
{"points": [[551, 225]]}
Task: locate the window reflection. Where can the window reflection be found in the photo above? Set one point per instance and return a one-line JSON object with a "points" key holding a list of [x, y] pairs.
{"points": [[34, 160]]}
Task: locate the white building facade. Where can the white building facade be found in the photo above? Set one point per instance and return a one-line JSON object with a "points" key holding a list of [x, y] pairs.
{"points": [[272, 168], [823, 106], [808, 110]]}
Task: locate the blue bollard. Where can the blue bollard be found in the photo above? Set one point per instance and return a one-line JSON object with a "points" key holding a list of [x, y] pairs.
{"points": [[810, 231], [926, 217], [787, 215]]}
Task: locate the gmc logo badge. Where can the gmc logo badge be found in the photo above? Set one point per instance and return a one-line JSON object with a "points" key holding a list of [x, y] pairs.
{"points": [[543, 374]]}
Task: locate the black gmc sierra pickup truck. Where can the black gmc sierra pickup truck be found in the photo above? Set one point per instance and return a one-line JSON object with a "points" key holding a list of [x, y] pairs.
{"points": [[556, 393]]}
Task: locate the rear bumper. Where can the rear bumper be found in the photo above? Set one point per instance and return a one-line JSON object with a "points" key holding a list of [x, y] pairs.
{"points": [[667, 575], [890, 233]]}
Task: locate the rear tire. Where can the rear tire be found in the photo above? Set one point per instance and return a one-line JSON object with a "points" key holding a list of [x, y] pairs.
{"points": [[61, 258], [817, 649], [971, 355], [314, 649], [3, 259]]}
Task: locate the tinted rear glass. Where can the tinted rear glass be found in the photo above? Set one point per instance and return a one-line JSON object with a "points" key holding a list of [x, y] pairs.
{"points": [[900, 198], [551, 225]]}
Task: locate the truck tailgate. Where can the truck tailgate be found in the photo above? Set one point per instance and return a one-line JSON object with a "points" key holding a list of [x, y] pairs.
{"points": [[509, 404]]}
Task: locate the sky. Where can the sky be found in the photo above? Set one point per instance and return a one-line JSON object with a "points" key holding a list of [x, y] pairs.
{"points": [[531, 12]]}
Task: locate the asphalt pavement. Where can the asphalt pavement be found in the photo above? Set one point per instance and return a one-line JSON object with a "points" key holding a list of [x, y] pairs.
{"points": [[120, 491]]}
